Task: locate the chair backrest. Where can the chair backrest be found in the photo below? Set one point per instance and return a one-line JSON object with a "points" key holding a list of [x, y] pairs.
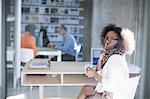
{"points": [[128, 89], [20, 96], [26, 55], [134, 69], [133, 83], [78, 49]]}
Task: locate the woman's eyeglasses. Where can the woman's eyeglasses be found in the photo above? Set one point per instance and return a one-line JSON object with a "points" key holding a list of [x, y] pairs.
{"points": [[110, 39]]}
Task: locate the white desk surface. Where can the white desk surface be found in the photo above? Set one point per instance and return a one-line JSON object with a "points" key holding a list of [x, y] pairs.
{"points": [[46, 50], [59, 68], [70, 68]]}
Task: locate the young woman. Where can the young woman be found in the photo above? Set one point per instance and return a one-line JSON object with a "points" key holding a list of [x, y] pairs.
{"points": [[112, 69]]}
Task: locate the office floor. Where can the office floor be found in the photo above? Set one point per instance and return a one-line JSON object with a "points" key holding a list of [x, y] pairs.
{"points": [[57, 92]]}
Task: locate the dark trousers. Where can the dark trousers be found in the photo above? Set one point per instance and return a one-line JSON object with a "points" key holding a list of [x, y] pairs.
{"points": [[41, 56]]}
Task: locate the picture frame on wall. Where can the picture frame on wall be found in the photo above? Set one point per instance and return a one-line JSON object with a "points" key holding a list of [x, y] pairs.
{"points": [[43, 1], [54, 20], [26, 2], [12, 9], [53, 37], [25, 18], [37, 27], [23, 27], [63, 20], [34, 18], [52, 28], [46, 10], [11, 36], [74, 29], [36, 9], [44, 19], [54, 11], [35, 2], [25, 10], [11, 28]]}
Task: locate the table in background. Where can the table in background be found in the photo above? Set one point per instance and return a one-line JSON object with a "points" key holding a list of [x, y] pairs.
{"points": [[50, 52]]}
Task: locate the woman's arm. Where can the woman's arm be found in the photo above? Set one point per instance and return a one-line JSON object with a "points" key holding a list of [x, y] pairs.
{"points": [[90, 72]]}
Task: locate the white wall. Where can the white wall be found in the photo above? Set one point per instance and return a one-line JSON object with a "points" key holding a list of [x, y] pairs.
{"points": [[124, 13], [145, 79]]}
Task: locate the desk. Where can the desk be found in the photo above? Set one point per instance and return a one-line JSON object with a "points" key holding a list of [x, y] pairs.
{"points": [[49, 52], [59, 74]]}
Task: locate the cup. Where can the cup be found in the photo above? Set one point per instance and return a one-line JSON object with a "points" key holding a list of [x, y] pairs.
{"points": [[87, 67]]}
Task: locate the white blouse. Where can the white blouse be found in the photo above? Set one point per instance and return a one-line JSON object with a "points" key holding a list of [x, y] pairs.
{"points": [[114, 74]]}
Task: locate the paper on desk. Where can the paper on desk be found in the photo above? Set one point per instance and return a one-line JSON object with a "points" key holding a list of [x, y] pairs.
{"points": [[39, 64]]}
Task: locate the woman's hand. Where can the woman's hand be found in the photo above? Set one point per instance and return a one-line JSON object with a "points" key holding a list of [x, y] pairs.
{"points": [[90, 72], [101, 56]]}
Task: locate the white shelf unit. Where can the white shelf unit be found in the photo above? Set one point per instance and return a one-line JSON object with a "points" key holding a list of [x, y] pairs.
{"points": [[57, 80], [59, 74], [70, 73]]}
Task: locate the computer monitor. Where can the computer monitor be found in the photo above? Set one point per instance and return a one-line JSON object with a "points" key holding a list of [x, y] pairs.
{"points": [[95, 52]]}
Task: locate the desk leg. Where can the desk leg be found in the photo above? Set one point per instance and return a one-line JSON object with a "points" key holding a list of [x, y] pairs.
{"points": [[41, 92]]}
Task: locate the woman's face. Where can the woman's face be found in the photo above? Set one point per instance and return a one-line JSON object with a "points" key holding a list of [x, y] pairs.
{"points": [[110, 40]]}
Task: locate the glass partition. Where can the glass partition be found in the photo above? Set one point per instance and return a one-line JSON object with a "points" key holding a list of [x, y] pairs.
{"points": [[46, 16], [2, 52]]}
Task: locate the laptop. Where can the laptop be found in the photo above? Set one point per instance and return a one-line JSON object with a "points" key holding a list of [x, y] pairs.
{"points": [[95, 52]]}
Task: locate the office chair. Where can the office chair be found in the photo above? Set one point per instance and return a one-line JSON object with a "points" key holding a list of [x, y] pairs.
{"points": [[78, 49], [20, 96], [124, 92], [128, 90], [26, 55]]}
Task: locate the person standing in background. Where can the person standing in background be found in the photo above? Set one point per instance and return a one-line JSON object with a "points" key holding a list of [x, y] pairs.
{"points": [[27, 38]]}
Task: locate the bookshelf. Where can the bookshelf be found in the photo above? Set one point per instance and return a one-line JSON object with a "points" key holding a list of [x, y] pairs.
{"points": [[49, 14]]}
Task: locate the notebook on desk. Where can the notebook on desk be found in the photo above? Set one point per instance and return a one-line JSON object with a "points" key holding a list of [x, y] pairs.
{"points": [[40, 64]]}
